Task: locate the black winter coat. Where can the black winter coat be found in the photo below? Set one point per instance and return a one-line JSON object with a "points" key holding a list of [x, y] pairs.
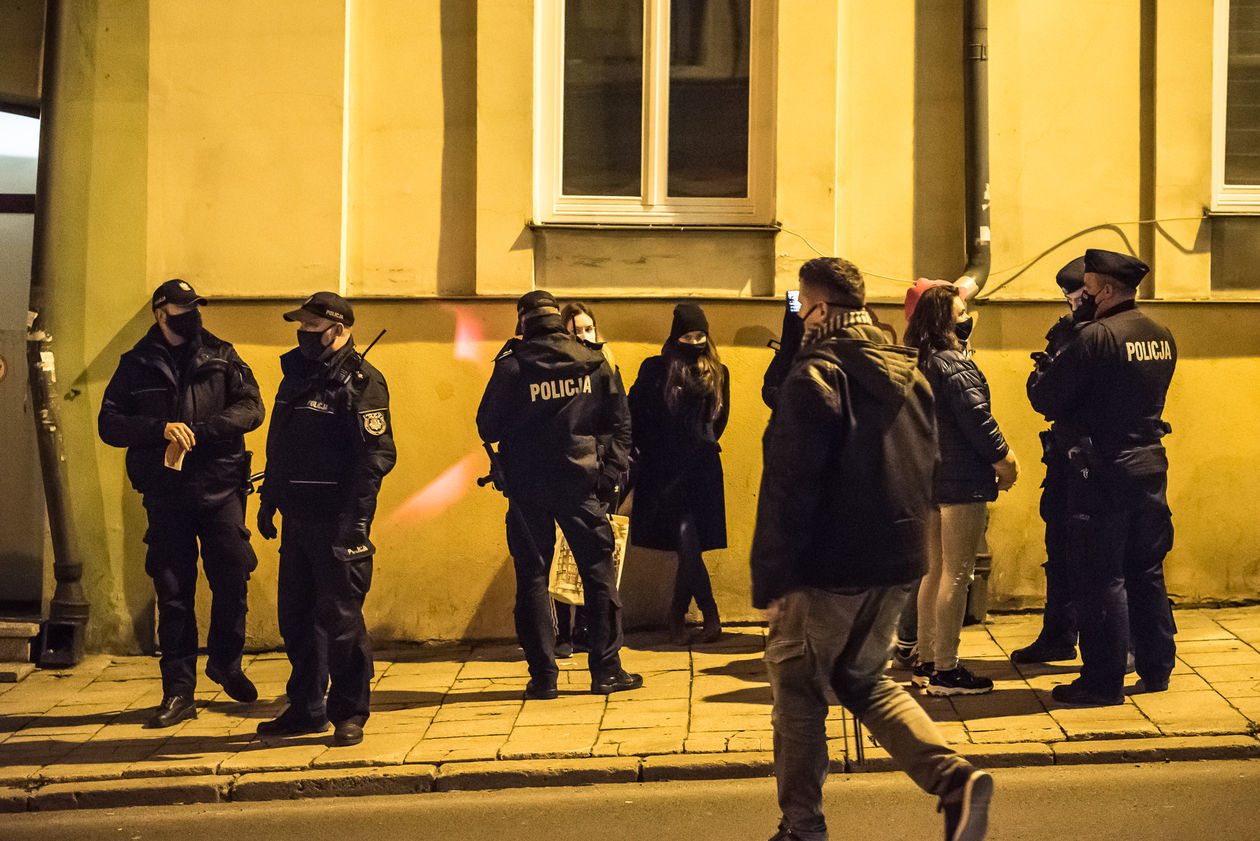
{"points": [[970, 441], [331, 439], [215, 395], [560, 417], [678, 462], [846, 483]]}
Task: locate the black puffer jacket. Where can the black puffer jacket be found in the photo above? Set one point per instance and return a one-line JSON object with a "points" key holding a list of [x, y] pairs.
{"points": [[215, 395], [970, 441], [847, 466]]}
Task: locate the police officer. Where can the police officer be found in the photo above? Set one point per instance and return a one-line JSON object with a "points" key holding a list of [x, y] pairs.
{"points": [[1105, 392], [181, 402], [1057, 640], [550, 402], [328, 447]]}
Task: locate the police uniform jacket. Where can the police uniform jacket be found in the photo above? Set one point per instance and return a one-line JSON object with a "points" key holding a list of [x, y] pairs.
{"points": [[1109, 386], [214, 393], [847, 461], [1053, 454], [559, 415], [970, 440], [331, 439]]}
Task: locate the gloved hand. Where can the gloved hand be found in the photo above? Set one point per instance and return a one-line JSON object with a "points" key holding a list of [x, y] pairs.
{"points": [[607, 492], [352, 532], [266, 516]]}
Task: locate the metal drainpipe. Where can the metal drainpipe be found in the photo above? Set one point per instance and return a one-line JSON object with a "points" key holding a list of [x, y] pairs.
{"points": [[976, 127], [61, 640]]}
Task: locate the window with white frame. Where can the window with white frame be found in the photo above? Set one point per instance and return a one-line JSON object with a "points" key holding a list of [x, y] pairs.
{"points": [[1236, 107], [654, 112]]}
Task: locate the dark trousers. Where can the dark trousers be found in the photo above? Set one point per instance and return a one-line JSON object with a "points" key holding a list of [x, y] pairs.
{"points": [[1059, 622], [590, 537], [171, 561], [692, 578], [1118, 534], [320, 607]]}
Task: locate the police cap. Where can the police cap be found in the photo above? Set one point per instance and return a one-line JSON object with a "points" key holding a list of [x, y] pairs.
{"points": [[536, 300], [327, 305], [1072, 276], [1128, 270], [178, 292]]}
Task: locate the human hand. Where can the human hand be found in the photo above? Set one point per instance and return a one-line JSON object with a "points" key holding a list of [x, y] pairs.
{"points": [[266, 520], [1007, 470], [180, 433]]}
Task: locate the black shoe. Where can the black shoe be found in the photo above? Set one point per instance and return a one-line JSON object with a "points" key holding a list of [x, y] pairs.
{"points": [[291, 723], [173, 710], [581, 639], [1079, 695], [1152, 685], [539, 690], [921, 675], [966, 807], [564, 650], [1130, 664], [619, 682], [347, 733], [1040, 652], [958, 681], [234, 683]]}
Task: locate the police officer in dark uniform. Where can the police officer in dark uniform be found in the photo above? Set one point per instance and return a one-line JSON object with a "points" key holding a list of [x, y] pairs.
{"points": [[328, 447], [1105, 391], [1057, 640], [563, 427], [181, 402]]}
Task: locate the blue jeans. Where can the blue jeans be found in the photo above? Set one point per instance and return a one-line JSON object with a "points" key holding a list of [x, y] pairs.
{"points": [[843, 638]]}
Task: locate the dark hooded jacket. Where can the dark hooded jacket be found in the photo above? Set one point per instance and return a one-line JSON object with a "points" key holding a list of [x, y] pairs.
{"points": [[846, 482], [558, 414], [213, 392], [970, 441]]}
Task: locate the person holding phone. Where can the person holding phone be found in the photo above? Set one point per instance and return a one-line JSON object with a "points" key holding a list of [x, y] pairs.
{"points": [[975, 463], [679, 405], [789, 344]]}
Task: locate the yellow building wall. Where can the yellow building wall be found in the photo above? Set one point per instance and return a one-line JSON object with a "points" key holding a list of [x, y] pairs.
{"points": [[226, 143]]}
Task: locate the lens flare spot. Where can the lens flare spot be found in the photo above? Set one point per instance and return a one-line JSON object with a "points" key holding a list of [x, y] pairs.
{"points": [[442, 492], [468, 337]]}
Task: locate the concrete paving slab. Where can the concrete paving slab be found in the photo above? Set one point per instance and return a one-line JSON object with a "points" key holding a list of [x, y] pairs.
{"points": [[493, 725], [646, 741], [165, 791], [272, 756], [708, 766], [1190, 713], [473, 748], [561, 740], [997, 755], [375, 749]]}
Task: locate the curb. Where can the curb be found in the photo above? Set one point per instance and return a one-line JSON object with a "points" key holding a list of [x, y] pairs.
{"points": [[164, 790]]}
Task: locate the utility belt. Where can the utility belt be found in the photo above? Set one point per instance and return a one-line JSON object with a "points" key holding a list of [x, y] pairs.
{"points": [[1132, 460]]}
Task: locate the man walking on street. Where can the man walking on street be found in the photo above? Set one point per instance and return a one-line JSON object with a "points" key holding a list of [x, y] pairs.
{"points": [[550, 402], [329, 445], [841, 536], [181, 402], [1105, 392]]}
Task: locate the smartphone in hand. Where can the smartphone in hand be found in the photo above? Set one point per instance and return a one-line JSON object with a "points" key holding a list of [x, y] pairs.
{"points": [[793, 301]]}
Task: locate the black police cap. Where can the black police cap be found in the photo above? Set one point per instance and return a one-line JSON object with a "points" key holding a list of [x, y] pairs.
{"points": [[1072, 276], [1127, 270], [537, 299], [327, 305], [178, 292]]}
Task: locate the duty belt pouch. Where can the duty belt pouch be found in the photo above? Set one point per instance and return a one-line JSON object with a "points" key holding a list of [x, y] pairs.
{"points": [[358, 552]]}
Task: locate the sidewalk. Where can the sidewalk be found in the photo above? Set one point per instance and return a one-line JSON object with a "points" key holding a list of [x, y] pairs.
{"points": [[451, 717]]}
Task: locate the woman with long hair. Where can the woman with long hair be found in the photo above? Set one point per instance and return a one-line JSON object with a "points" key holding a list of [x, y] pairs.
{"points": [[975, 463], [679, 406]]}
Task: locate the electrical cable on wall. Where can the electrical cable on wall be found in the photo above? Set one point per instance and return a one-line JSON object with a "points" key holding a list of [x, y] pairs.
{"points": [[1019, 268]]}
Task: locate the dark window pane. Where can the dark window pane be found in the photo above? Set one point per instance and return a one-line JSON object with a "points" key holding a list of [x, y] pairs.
{"points": [[1242, 94], [603, 97], [708, 98]]}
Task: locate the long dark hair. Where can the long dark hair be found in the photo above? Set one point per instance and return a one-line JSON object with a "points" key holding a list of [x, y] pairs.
{"points": [[931, 328], [694, 382], [572, 310]]}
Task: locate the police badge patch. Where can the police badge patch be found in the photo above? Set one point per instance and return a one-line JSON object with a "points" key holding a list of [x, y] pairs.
{"points": [[374, 422]]}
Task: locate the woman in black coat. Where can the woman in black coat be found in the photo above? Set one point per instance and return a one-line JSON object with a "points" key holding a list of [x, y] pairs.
{"points": [[975, 463], [679, 405]]}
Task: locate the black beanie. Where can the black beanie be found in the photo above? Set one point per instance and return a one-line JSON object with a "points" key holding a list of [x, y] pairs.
{"points": [[688, 317]]}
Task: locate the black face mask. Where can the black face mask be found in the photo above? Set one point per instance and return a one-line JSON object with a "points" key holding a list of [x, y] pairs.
{"points": [[962, 329], [689, 352], [186, 325], [311, 344], [1086, 309]]}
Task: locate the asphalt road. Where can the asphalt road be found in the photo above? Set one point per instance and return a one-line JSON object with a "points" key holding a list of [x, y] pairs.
{"points": [[1198, 801]]}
